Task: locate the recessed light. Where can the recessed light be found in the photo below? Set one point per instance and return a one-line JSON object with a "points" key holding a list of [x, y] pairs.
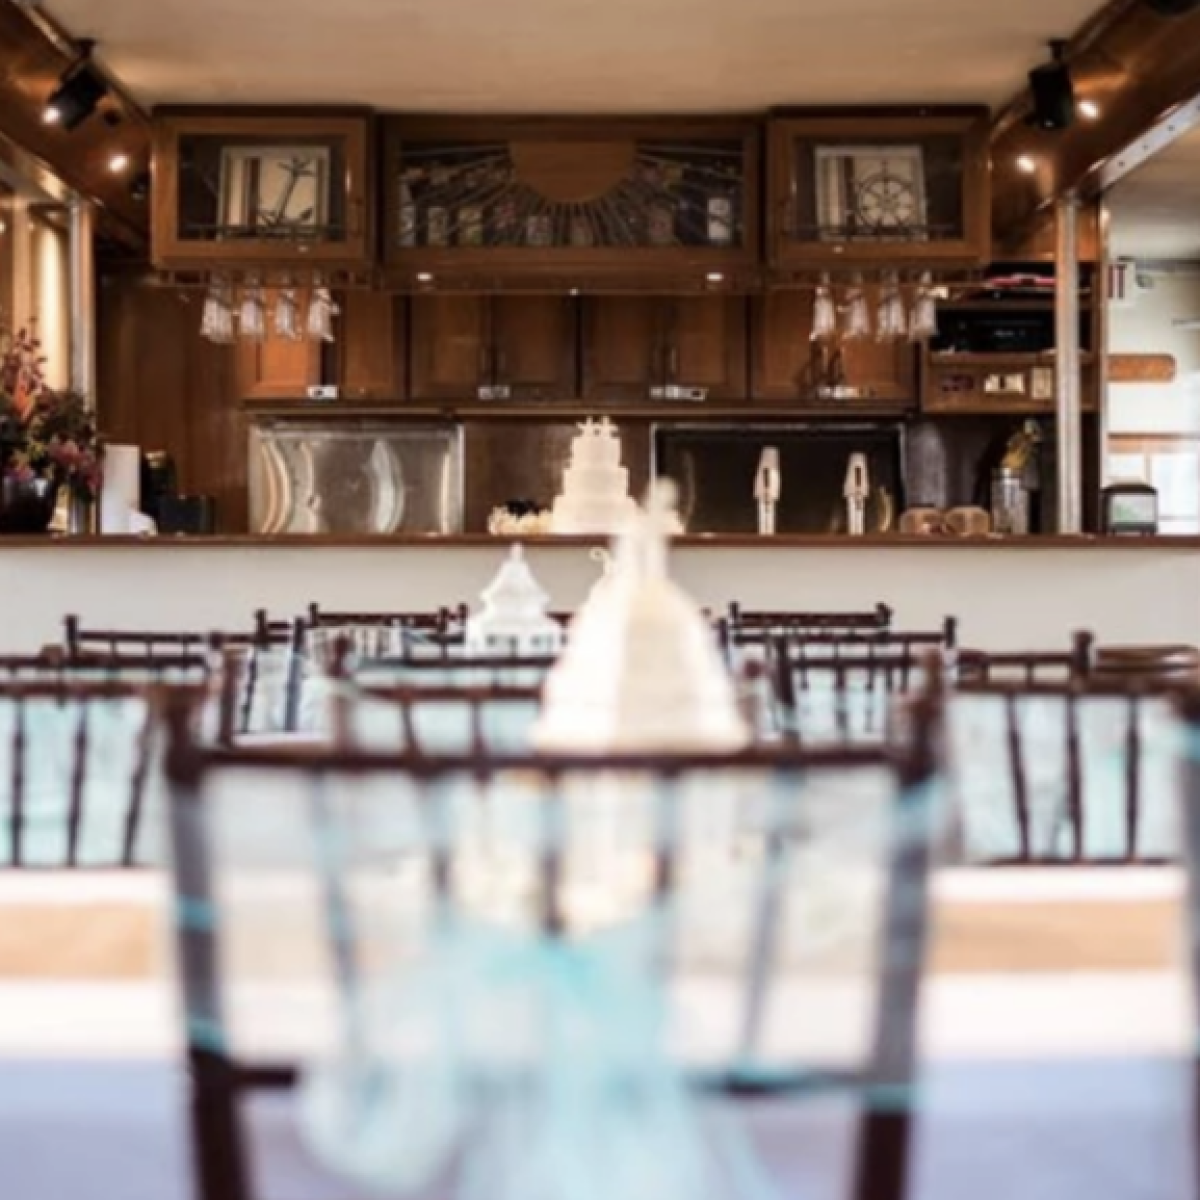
{"points": [[715, 277], [118, 163], [1027, 163], [574, 292], [1089, 109], [424, 277], [51, 115]]}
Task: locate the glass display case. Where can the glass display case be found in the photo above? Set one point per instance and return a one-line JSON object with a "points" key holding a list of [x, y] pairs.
{"points": [[355, 475], [269, 190], [571, 196], [879, 188]]}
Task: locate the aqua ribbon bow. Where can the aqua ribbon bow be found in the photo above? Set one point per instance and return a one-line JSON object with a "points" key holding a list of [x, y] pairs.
{"points": [[536, 1066]]}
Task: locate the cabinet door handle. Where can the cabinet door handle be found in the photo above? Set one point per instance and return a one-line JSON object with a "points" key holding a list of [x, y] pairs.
{"points": [[499, 364], [673, 364], [663, 365], [485, 364]]}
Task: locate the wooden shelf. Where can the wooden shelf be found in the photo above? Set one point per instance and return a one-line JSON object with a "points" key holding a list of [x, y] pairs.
{"points": [[1042, 358], [574, 410], [1040, 305]]}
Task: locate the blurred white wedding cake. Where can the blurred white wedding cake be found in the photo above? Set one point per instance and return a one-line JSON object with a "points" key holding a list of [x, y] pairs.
{"points": [[514, 618], [641, 671], [595, 488]]}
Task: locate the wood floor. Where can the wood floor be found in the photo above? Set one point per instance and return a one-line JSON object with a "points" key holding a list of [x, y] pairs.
{"points": [[122, 939]]}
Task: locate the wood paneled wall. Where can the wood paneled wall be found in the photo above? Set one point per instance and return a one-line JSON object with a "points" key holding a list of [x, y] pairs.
{"points": [[162, 387]]}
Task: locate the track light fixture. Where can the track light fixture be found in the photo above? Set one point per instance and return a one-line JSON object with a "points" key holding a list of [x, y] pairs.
{"points": [[1173, 8], [1053, 91], [80, 89]]}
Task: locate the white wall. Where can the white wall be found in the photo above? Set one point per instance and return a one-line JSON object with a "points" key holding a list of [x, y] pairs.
{"points": [[1143, 324], [1022, 594]]}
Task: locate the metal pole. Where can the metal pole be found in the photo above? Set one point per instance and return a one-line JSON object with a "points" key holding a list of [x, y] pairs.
{"points": [[1101, 332], [1067, 371], [82, 299]]}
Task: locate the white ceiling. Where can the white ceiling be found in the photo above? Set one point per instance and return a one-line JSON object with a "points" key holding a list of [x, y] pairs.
{"points": [[1156, 208], [571, 56]]}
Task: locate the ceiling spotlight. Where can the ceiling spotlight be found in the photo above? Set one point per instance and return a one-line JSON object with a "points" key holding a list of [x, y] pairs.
{"points": [[715, 277], [1089, 109], [80, 89], [1027, 163], [118, 163], [424, 277], [1053, 91]]}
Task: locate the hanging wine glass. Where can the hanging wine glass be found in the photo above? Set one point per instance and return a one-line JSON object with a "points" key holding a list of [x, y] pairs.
{"points": [[858, 312], [216, 318], [252, 313], [924, 315], [824, 322], [321, 311], [892, 322], [287, 315]]}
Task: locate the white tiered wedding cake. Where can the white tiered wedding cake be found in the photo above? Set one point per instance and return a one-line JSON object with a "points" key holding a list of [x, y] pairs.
{"points": [[641, 671], [595, 490]]}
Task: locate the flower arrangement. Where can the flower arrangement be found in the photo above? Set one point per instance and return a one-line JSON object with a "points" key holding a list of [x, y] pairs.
{"points": [[44, 433]]}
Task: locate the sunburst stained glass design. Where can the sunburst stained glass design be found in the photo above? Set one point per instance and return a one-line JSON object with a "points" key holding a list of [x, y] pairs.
{"points": [[639, 195]]}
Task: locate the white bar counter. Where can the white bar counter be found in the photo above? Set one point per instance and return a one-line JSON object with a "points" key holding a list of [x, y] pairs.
{"points": [[1027, 593]]}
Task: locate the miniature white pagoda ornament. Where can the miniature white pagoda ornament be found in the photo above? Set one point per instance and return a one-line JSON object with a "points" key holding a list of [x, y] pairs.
{"points": [[514, 618], [641, 671]]}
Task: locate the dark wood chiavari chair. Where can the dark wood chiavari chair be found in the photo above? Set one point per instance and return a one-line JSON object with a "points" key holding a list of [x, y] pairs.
{"points": [[745, 627], [54, 664], [266, 640], [988, 666], [1187, 705], [846, 688], [69, 747], [434, 718], [1062, 772], [436, 620], [438, 670], [223, 1078]]}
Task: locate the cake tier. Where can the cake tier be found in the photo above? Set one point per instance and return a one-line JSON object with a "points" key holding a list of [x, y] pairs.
{"points": [[595, 483], [587, 451], [572, 515]]}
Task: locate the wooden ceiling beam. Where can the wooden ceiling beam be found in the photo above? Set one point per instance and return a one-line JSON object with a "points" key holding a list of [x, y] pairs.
{"points": [[31, 63], [1142, 70]]}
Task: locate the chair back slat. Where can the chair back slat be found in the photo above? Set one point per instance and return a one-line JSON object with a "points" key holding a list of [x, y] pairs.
{"points": [[1020, 780], [78, 778], [1133, 776], [1076, 815], [17, 812]]}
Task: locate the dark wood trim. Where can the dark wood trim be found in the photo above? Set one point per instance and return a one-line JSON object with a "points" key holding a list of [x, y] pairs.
{"points": [[1143, 70], [355, 131], [893, 541], [30, 67], [970, 123]]}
